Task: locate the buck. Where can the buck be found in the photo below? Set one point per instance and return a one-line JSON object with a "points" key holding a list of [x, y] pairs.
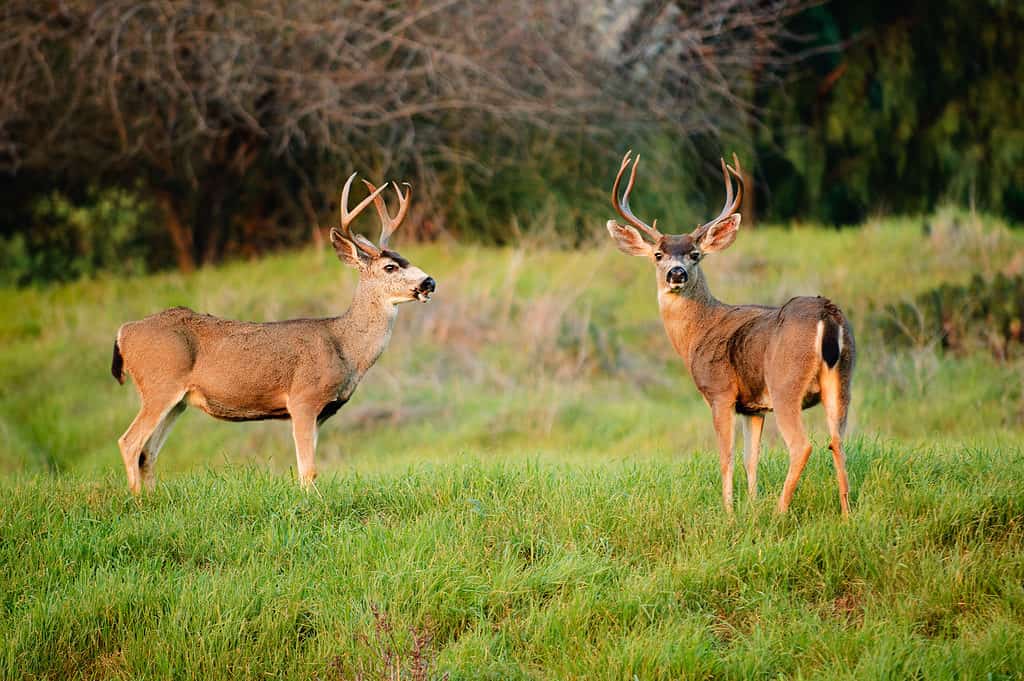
{"points": [[300, 369], [745, 359]]}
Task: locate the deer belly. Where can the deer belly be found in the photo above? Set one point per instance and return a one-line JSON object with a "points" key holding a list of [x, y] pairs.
{"points": [[753, 398], [750, 407], [237, 408]]}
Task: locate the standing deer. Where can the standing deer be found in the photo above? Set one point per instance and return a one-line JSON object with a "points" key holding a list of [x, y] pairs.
{"points": [[300, 369], [745, 359]]}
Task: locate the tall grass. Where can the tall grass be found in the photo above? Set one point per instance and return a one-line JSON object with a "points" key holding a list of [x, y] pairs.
{"points": [[522, 488], [522, 570], [553, 353]]}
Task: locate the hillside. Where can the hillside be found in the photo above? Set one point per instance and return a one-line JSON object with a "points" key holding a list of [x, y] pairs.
{"points": [[525, 480]]}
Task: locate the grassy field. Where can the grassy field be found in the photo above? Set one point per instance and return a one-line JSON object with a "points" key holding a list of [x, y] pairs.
{"points": [[522, 488]]}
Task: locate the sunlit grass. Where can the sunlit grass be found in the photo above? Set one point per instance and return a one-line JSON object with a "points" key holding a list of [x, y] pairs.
{"points": [[527, 474], [524, 570]]}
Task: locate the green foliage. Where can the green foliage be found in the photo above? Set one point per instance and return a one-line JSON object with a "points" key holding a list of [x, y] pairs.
{"points": [[922, 105], [110, 230]]}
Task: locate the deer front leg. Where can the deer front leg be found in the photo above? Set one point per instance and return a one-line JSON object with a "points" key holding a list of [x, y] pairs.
{"points": [[753, 426], [304, 431], [724, 419]]}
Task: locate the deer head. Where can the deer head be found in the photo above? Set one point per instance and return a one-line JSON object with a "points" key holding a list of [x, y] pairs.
{"points": [[676, 257], [383, 273]]}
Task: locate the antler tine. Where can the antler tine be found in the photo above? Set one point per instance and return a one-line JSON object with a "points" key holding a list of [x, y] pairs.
{"points": [[389, 224], [737, 172], [732, 201], [622, 206], [348, 216]]}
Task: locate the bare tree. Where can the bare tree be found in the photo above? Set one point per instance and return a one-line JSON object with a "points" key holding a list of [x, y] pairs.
{"points": [[239, 116]]}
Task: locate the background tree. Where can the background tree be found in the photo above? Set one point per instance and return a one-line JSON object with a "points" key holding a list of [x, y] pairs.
{"points": [[238, 119], [205, 129], [920, 103]]}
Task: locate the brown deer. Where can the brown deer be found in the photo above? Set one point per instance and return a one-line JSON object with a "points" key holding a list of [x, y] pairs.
{"points": [[745, 359], [300, 369]]}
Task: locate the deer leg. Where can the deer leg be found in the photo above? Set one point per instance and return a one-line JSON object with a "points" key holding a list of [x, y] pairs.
{"points": [[753, 426], [147, 460], [724, 420], [134, 440], [835, 414], [304, 431], [792, 428]]}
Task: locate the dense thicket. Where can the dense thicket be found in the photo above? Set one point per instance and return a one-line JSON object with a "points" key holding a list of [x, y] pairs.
{"points": [[921, 104], [237, 122], [137, 135]]}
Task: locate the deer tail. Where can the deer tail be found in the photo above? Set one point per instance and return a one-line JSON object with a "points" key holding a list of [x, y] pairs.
{"points": [[831, 342], [831, 330], [117, 364]]}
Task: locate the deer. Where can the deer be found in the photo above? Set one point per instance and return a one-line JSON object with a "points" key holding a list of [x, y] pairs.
{"points": [[304, 370], [745, 359]]}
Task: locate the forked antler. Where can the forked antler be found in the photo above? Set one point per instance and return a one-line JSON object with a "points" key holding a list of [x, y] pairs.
{"points": [[622, 206], [389, 224], [348, 216], [731, 203]]}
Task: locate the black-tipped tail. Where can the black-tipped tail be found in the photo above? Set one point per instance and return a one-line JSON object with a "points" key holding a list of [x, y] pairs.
{"points": [[830, 343], [117, 365]]}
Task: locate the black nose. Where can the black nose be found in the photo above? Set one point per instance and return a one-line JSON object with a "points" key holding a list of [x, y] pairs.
{"points": [[677, 275], [427, 285]]}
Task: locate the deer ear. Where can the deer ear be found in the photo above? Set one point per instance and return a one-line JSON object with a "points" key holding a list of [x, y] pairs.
{"points": [[347, 251], [721, 234], [628, 239]]}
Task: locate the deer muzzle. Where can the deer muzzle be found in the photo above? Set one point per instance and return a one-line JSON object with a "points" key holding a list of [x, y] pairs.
{"points": [[425, 289], [676, 276]]}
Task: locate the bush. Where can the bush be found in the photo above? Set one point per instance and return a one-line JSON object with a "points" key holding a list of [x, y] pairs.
{"points": [[110, 229], [980, 315]]}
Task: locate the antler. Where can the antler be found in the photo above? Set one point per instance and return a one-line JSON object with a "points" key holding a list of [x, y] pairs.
{"points": [[731, 204], [347, 217], [389, 224], [623, 206]]}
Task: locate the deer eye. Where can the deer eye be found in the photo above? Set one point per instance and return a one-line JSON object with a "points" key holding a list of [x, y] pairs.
{"points": [[657, 256], [695, 255], [390, 267]]}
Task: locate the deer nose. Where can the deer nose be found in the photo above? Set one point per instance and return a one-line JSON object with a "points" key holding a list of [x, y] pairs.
{"points": [[427, 285], [677, 275]]}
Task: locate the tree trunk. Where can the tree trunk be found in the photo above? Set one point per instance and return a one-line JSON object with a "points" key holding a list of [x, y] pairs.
{"points": [[181, 236], [747, 206]]}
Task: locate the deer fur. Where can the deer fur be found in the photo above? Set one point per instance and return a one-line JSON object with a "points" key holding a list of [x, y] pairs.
{"points": [[747, 359], [304, 370]]}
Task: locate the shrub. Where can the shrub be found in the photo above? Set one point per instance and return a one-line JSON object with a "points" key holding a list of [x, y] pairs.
{"points": [[109, 230], [980, 315]]}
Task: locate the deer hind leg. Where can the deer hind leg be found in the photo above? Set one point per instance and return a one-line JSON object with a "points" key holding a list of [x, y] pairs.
{"points": [[134, 440], [752, 427], [147, 459], [724, 419], [304, 432], [787, 417], [835, 413]]}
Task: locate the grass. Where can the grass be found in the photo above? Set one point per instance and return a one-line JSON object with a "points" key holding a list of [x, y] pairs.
{"points": [[524, 570], [522, 488]]}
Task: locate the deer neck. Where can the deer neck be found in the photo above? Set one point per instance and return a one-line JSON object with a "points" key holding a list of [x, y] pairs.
{"points": [[689, 315], [365, 329]]}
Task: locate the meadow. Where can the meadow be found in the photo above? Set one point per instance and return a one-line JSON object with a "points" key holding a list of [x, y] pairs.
{"points": [[523, 487]]}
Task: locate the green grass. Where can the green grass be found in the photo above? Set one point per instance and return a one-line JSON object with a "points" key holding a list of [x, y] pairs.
{"points": [[524, 570], [527, 477]]}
